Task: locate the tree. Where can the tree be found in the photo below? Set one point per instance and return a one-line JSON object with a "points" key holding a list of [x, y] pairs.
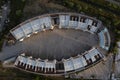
{"points": [[37, 78], [18, 12]]}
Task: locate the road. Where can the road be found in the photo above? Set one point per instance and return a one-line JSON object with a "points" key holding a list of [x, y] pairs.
{"points": [[113, 1], [10, 51], [5, 12]]}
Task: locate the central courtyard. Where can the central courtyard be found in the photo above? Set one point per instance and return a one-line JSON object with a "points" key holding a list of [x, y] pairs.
{"points": [[59, 44]]}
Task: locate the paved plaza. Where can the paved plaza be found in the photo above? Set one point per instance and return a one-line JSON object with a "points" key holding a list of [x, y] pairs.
{"points": [[59, 43], [56, 44]]}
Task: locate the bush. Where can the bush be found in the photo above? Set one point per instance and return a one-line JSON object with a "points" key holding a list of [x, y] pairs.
{"points": [[1, 44], [16, 13]]}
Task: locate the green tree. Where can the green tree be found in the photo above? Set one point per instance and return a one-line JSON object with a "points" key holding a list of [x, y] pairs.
{"points": [[18, 12]]}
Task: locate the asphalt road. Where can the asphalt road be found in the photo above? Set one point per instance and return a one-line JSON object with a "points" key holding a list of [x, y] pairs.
{"points": [[115, 2], [5, 12]]}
